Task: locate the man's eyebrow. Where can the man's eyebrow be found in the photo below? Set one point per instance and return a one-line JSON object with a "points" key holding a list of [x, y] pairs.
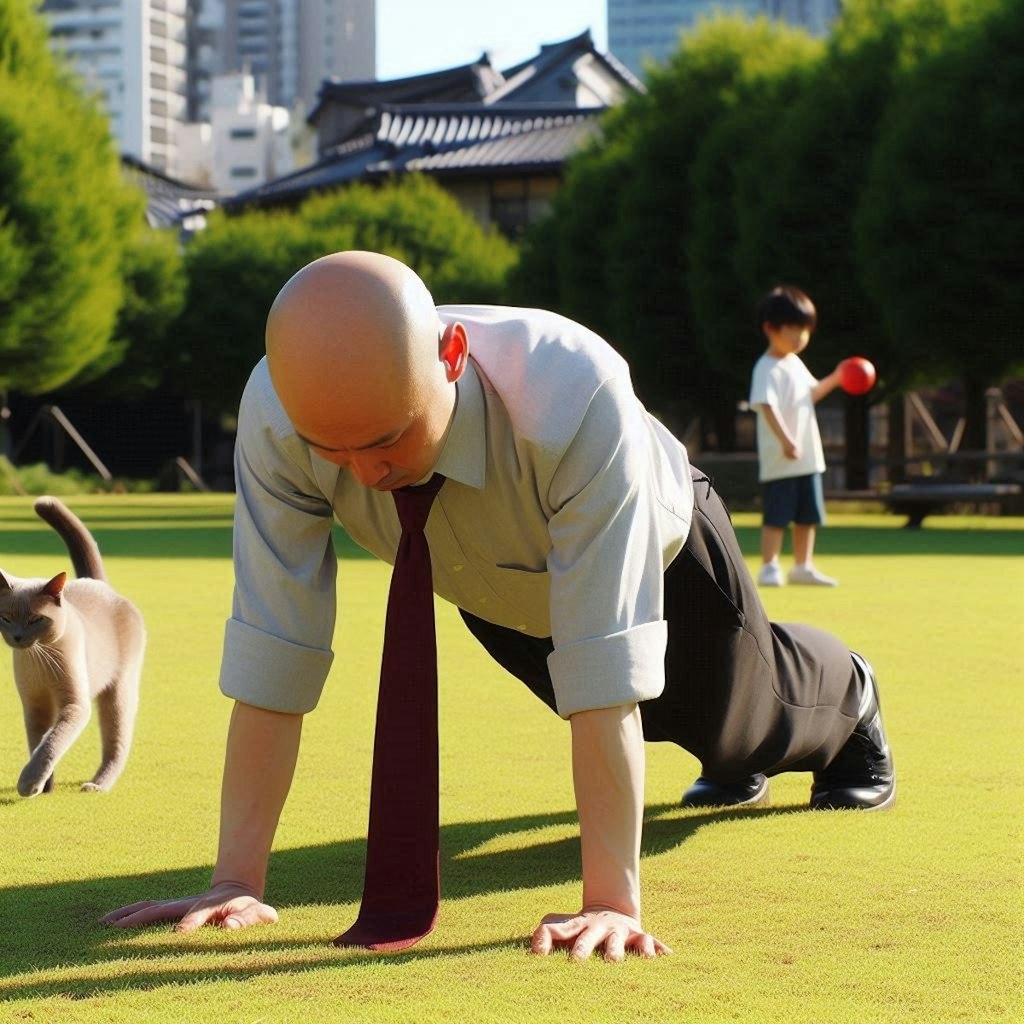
{"points": [[376, 443]]}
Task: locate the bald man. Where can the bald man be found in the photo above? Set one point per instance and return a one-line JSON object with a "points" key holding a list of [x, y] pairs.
{"points": [[582, 549]]}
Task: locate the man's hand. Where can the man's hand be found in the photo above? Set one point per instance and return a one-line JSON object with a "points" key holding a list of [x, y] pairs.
{"points": [[790, 449], [227, 905], [615, 934]]}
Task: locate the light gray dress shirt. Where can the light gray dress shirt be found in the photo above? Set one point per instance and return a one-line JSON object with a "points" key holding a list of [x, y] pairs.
{"points": [[564, 503]]}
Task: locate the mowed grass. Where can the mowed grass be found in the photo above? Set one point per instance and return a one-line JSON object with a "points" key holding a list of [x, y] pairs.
{"points": [[774, 915]]}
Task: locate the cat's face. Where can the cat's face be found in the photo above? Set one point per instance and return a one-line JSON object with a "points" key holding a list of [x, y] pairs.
{"points": [[31, 611]]}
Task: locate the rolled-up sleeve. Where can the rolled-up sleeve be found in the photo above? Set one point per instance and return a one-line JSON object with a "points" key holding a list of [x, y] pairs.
{"points": [[606, 561], [277, 644]]}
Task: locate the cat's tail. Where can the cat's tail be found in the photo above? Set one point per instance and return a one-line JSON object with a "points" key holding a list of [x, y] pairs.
{"points": [[85, 553]]}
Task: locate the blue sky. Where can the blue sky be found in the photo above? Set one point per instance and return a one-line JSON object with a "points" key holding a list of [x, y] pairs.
{"points": [[426, 35]]}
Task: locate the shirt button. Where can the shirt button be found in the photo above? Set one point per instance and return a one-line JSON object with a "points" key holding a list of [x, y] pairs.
{"points": [[457, 568], [483, 600]]}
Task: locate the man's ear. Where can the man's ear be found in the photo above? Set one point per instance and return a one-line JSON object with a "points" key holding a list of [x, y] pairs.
{"points": [[454, 350]]}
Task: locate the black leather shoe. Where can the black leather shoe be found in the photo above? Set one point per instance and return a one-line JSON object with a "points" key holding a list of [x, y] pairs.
{"points": [[861, 775], [706, 792]]}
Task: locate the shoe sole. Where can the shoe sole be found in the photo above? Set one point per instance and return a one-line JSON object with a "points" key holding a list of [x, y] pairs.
{"points": [[885, 805], [761, 797]]}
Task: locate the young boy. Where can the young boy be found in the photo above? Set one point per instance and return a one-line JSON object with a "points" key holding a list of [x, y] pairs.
{"points": [[783, 392]]}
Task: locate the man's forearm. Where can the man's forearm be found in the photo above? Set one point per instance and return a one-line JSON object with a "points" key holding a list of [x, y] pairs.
{"points": [[608, 776], [262, 749]]}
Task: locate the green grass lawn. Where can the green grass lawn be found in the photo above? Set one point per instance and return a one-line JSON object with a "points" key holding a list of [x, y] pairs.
{"points": [[774, 914]]}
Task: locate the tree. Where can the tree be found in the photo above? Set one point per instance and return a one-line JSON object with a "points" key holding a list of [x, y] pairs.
{"points": [[723, 307], [796, 216], [153, 274], [940, 225], [624, 217], [419, 223], [236, 267], [63, 212]]}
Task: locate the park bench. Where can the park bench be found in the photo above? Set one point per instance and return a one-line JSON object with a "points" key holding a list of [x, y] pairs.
{"points": [[917, 500]]}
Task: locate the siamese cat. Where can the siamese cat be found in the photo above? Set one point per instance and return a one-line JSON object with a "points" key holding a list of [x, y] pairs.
{"points": [[74, 642]]}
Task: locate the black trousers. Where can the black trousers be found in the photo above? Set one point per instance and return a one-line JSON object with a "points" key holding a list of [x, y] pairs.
{"points": [[742, 694]]}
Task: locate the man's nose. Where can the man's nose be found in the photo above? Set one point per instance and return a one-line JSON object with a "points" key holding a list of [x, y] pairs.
{"points": [[368, 470]]}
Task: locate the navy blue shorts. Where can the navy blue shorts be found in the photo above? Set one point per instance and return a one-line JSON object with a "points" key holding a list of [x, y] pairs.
{"points": [[794, 499]]}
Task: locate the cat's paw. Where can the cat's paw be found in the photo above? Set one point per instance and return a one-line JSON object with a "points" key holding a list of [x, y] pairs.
{"points": [[91, 787], [29, 785]]}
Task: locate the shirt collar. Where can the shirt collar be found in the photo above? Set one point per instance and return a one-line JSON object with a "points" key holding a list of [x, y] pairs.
{"points": [[464, 456]]}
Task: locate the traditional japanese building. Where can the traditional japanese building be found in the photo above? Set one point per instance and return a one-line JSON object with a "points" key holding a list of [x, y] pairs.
{"points": [[496, 139]]}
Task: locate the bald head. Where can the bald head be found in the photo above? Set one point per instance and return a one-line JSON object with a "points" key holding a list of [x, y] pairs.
{"points": [[356, 352]]}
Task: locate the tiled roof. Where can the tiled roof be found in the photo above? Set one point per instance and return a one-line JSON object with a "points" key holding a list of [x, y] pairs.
{"points": [[467, 83], [168, 201], [429, 125], [549, 143], [436, 139]]}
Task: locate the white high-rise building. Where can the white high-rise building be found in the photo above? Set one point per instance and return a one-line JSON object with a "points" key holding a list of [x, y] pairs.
{"points": [[649, 30], [289, 46], [132, 53], [245, 142]]}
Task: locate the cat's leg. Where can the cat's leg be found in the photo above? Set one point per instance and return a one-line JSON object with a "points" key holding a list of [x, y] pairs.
{"points": [[117, 706], [71, 719], [39, 712]]}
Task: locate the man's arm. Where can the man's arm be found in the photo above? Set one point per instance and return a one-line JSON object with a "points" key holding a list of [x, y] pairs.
{"points": [[608, 776], [262, 748], [789, 447]]}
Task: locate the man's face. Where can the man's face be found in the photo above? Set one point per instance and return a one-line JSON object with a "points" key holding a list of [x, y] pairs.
{"points": [[389, 444]]}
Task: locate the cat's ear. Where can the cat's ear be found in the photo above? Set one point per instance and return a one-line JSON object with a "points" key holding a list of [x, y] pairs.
{"points": [[5, 583], [56, 587]]}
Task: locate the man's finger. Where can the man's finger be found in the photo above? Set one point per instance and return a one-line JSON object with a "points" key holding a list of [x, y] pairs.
{"points": [[250, 914], [615, 947], [588, 941], [121, 912], [150, 912], [540, 944], [646, 945], [196, 918]]}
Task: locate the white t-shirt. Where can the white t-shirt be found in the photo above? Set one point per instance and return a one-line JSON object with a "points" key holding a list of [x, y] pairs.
{"points": [[785, 384]]}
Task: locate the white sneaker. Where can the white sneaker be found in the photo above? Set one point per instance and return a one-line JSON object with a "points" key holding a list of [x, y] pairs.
{"points": [[770, 575], [809, 575]]}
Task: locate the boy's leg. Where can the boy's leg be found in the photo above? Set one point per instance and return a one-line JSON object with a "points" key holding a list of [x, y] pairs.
{"points": [[809, 515], [803, 543], [771, 543], [779, 509]]}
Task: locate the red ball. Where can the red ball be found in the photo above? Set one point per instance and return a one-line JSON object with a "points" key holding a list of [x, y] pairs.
{"points": [[856, 375]]}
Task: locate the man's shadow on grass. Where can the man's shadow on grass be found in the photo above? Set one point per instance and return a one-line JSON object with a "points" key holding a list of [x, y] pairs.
{"points": [[64, 915]]}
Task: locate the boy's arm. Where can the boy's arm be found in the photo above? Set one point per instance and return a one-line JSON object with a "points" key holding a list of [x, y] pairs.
{"points": [[608, 776], [778, 428], [825, 386]]}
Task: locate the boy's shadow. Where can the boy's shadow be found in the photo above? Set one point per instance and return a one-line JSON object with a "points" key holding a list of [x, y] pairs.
{"points": [[64, 915]]}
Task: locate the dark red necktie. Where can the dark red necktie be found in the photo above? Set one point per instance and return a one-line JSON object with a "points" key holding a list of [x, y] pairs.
{"points": [[402, 888]]}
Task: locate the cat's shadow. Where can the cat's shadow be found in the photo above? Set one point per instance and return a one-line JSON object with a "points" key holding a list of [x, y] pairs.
{"points": [[62, 926]]}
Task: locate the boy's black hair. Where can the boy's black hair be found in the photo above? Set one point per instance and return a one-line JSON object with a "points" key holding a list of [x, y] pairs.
{"points": [[787, 305]]}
